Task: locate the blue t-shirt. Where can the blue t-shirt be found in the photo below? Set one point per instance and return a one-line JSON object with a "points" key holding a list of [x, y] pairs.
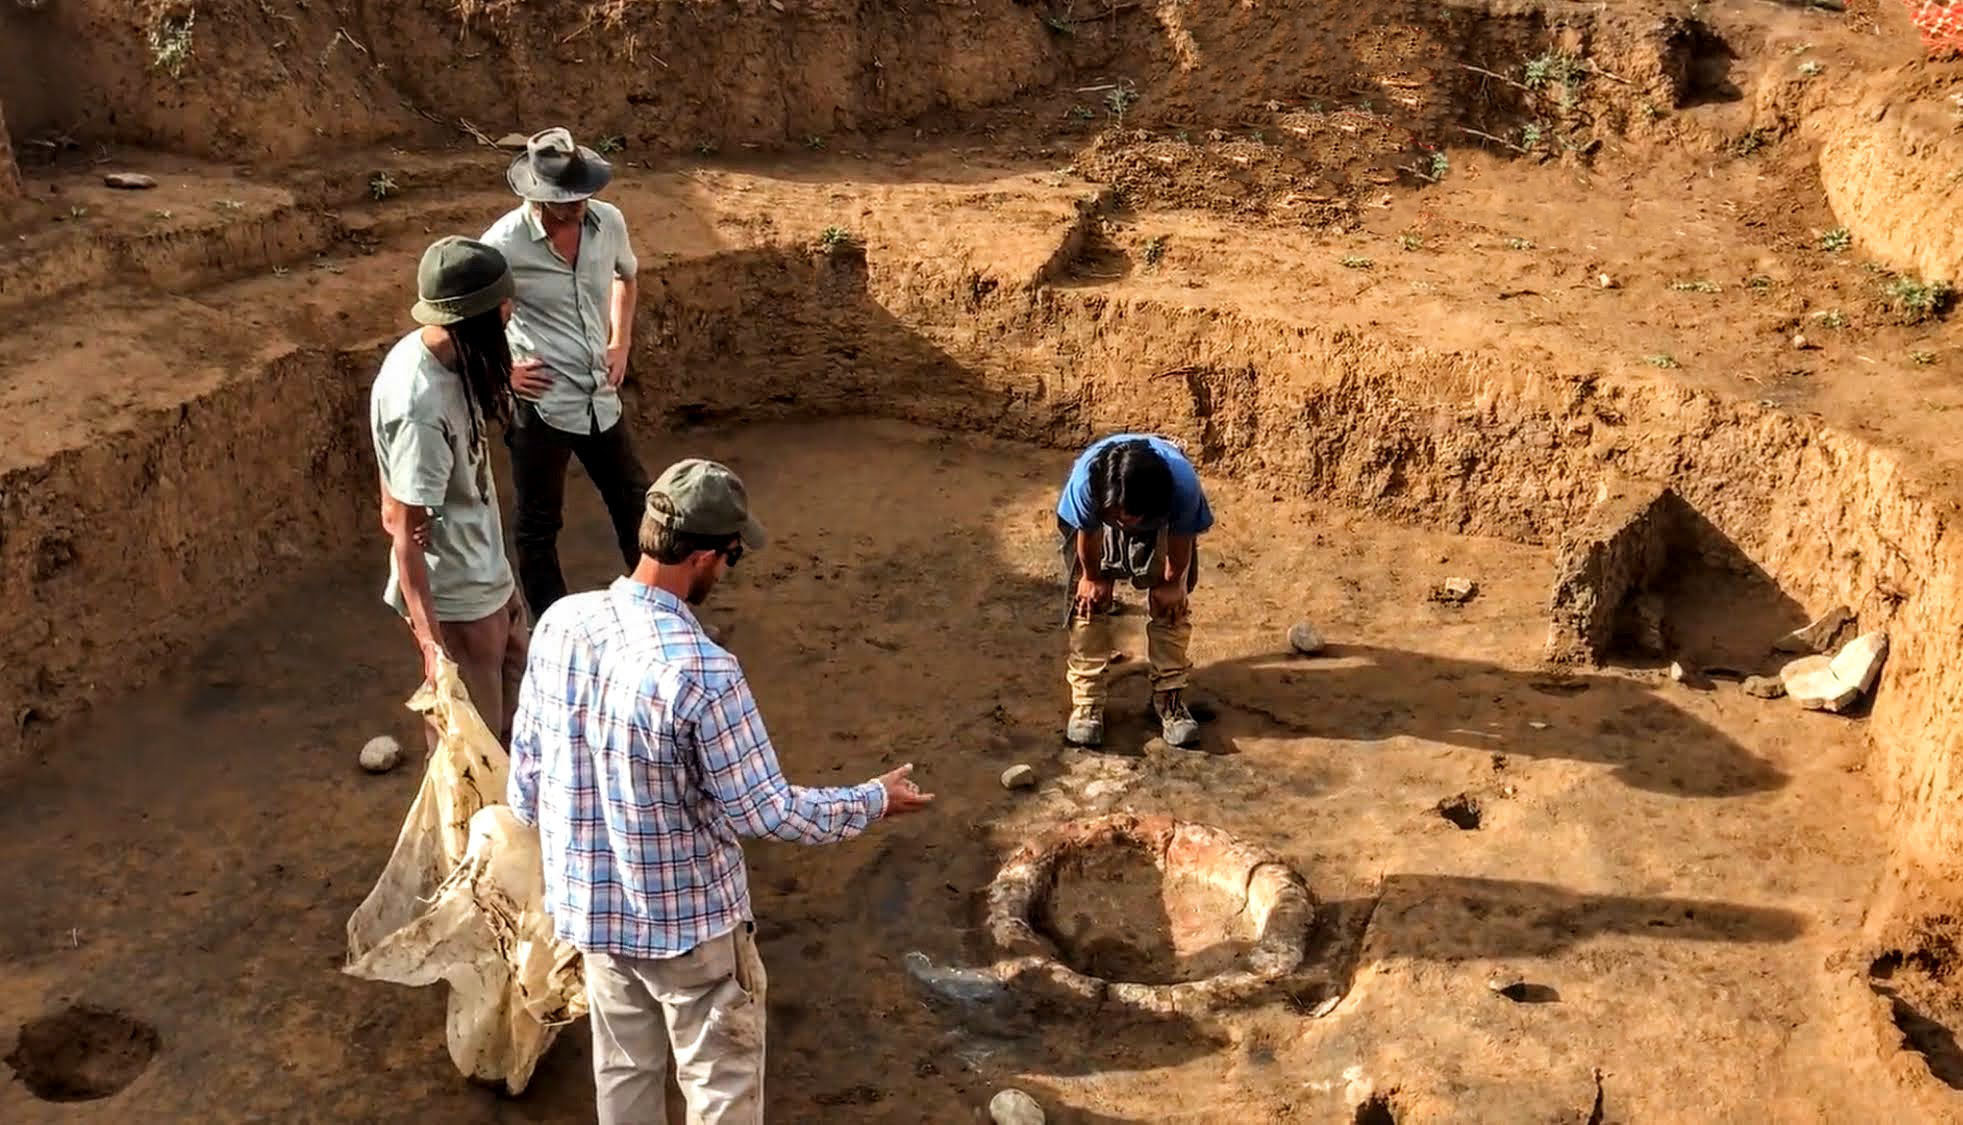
{"points": [[1190, 515]]}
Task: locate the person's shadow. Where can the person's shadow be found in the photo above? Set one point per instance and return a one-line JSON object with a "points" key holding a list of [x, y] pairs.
{"points": [[1369, 693]]}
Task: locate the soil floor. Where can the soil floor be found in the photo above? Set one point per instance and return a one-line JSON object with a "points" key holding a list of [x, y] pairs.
{"points": [[1668, 868]]}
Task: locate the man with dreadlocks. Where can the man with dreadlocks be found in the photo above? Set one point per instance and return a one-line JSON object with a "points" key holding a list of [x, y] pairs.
{"points": [[430, 413]]}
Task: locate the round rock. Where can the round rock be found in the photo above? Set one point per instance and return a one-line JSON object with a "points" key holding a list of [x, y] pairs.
{"points": [[381, 755], [1019, 776], [1303, 638], [1013, 1107]]}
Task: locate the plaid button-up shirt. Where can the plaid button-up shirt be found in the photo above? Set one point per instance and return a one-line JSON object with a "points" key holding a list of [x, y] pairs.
{"points": [[639, 755]]}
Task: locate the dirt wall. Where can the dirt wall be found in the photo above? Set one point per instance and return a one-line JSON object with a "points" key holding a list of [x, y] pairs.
{"points": [[10, 186], [1889, 167], [240, 79]]}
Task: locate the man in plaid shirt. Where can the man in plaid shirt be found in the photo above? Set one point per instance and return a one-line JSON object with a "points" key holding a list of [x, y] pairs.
{"points": [[639, 755]]}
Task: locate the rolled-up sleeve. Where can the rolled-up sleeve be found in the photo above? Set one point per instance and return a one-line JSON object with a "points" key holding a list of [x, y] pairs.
{"points": [[625, 263], [739, 769]]}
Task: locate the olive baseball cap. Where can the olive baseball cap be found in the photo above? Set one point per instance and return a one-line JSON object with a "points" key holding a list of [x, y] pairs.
{"points": [[460, 278], [706, 499]]}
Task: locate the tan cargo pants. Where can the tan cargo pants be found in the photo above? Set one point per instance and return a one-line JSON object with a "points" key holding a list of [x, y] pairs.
{"points": [[704, 1007], [1091, 637]]}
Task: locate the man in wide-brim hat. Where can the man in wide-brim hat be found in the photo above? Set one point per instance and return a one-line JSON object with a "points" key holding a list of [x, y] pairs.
{"points": [[570, 338]]}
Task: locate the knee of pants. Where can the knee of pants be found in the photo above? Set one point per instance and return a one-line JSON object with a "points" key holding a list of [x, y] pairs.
{"points": [[534, 523]]}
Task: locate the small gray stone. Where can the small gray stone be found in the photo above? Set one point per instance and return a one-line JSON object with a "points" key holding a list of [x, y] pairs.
{"points": [[129, 181], [1303, 638], [1819, 636], [1455, 591], [1013, 1107], [1859, 664], [1811, 683], [1764, 687], [381, 754], [1019, 776]]}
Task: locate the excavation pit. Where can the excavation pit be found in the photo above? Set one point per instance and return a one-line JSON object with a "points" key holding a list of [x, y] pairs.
{"points": [[1505, 332], [82, 1054], [1150, 912]]}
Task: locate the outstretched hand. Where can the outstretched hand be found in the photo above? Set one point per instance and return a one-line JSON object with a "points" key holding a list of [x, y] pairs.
{"points": [[902, 795]]}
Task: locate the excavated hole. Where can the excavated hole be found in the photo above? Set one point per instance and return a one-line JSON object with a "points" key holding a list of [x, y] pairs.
{"points": [[1150, 912], [1376, 1110], [80, 1054], [1462, 811]]}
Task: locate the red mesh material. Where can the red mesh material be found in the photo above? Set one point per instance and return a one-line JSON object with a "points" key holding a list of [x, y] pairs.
{"points": [[1941, 25]]}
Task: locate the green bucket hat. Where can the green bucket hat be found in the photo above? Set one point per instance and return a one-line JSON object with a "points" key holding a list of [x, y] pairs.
{"points": [[707, 500], [460, 278]]}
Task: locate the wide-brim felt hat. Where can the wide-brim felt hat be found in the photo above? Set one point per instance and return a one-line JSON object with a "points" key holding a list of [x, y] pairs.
{"points": [[553, 169]]}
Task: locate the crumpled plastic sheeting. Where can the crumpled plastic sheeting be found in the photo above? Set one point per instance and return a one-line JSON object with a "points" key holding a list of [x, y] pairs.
{"points": [[462, 901]]}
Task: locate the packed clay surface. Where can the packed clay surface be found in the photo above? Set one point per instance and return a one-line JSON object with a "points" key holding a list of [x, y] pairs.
{"points": [[1563, 375]]}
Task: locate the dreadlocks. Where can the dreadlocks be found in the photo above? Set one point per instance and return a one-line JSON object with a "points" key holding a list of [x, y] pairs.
{"points": [[484, 361]]}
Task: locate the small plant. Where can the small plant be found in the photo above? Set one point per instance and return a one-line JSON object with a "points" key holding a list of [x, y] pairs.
{"points": [[1182, 136], [1437, 166], [381, 186], [1411, 240], [1922, 359], [1811, 68], [814, 142], [1663, 360], [1120, 100], [1357, 262], [170, 42], [1652, 111], [1831, 318], [229, 205], [1835, 240], [834, 239], [281, 271], [1155, 249], [607, 146], [1751, 142], [1760, 283], [1082, 113], [78, 212], [1530, 135], [1917, 301], [1256, 136], [1315, 107], [1519, 244], [1698, 286], [162, 216], [1554, 66], [706, 148]]}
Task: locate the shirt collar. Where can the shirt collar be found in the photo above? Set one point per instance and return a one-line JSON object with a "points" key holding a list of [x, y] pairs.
{"points": [[659, 599], [535, 226]]}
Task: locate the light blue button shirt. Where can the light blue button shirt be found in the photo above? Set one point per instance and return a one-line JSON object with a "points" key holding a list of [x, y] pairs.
{"points": [[564, 313]]}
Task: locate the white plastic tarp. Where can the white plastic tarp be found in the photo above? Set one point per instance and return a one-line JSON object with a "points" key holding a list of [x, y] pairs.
{"points": [[462, 901]]}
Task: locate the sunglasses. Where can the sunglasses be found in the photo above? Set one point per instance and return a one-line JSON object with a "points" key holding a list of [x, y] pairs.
{"points": [[733, 553]]}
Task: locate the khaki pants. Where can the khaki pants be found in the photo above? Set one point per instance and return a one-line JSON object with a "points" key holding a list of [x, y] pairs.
{"points": [[1090, 637], [705, 1007], [1090, 655], [490, 654]]}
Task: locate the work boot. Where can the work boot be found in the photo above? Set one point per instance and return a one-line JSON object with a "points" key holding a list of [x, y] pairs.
{"points": [[1086, 726], [1176, 724]]}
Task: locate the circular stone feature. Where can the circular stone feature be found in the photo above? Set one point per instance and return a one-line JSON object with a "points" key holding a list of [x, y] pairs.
{"points": [[80, 1054], [1150, 912]]}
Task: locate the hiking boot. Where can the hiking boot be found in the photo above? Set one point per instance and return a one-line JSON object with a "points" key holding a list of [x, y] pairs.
{"points": [[1176, 724], [1086, 726]]}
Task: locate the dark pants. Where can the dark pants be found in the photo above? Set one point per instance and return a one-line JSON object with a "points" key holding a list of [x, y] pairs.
{"points": [[539, 454]]}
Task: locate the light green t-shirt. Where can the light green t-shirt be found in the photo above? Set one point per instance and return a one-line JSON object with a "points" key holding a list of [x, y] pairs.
{"points": [[420, 420]]}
